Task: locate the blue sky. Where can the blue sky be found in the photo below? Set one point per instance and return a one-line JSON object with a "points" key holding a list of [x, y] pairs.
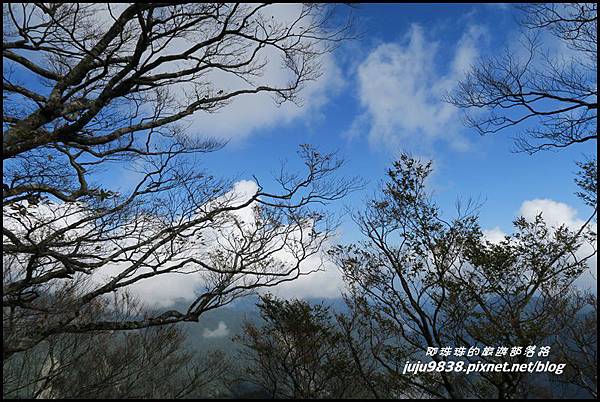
{"points": [[466, 164], [381, 95]]}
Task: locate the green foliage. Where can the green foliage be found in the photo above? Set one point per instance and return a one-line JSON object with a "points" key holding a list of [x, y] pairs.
{"points": [[298, 352], [587, 179], [422, 281]]}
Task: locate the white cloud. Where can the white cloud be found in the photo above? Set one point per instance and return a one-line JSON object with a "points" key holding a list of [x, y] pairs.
{"points": [[248, 114], [166, 289], [218, 332], [319, 277], [554, 213], [326, 282], [494, 235], [400, 88]]}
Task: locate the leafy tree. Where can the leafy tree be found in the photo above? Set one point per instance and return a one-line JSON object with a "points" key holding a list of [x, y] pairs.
{"points": [[552, 98], [299, 352], [424, 281]]}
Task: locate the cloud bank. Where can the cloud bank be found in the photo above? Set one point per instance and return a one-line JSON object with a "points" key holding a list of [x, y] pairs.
{"points": [[218, 332]]}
